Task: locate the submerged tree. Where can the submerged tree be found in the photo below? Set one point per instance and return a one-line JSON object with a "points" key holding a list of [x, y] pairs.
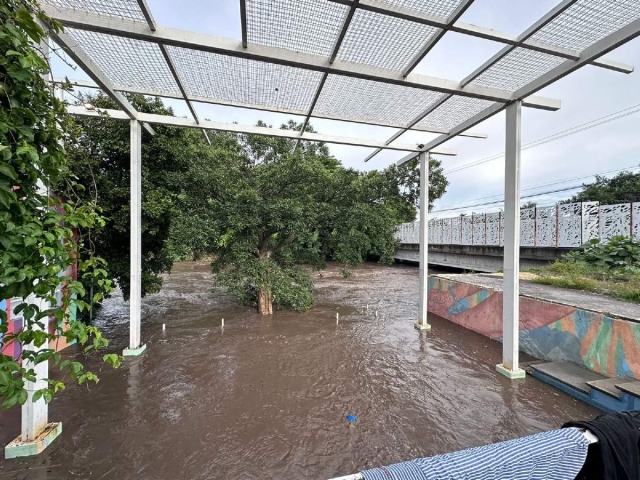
{"points": [[278, 211]]}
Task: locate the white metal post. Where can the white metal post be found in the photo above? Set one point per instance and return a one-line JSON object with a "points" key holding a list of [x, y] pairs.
{"points": [[35, 414], [422, 323], [135, 291], [511, 287]]}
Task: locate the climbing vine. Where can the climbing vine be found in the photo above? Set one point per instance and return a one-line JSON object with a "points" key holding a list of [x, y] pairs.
{"points": [[43, 226]]}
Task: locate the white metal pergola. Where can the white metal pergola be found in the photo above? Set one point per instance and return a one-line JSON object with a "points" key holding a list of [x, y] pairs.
{"points": [[348, 60]]}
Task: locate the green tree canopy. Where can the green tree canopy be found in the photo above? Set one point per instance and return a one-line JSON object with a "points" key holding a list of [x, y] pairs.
{"points": [[276, 209], [623, 188], [101, 159]]}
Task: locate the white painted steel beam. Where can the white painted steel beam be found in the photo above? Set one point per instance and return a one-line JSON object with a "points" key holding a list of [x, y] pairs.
{"points": [[480, 32], [602, 47], [97, 75], [172, 68], [511, 283], [332, 58], [225, 46], [418, 118], [251, 130], [422, 323], [243, 22], [524, 36], [146, 11], [433, 41], [197, 99], [178, 81], [135, 288]]}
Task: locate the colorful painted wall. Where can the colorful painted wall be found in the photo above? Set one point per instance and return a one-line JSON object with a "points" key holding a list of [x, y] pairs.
{"points": [[548, 331]]}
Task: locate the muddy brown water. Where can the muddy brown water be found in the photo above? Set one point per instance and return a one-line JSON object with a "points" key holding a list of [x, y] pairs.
{"points": [[266, 398]]}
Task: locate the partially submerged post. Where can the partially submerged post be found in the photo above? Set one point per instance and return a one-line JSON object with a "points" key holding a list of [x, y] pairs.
{"points": [[511, 289], [422, 323], [135, 292]]}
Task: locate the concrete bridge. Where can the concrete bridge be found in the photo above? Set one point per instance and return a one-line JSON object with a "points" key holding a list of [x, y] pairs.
{"points": [[476, 242]]}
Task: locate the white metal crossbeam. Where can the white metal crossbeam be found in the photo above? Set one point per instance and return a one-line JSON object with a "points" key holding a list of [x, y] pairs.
{"points": [[194, 98], [601, 47], [246, 129], [224, 46], [84, 61], [480, 32]]}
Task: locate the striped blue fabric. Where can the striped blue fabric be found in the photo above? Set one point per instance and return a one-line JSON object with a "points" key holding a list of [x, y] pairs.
{"points": [[554, 455]]}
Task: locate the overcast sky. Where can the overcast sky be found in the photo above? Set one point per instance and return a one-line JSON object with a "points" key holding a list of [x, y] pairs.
{"points": [[586, 95]]}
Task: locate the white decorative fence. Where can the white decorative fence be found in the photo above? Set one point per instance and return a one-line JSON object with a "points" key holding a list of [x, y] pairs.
{"points": [[563, 226]]}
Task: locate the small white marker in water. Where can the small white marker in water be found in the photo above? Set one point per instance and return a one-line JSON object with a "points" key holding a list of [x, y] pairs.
{"points": [[367, 307], [223, 322], [164, 327], [337, 318]]}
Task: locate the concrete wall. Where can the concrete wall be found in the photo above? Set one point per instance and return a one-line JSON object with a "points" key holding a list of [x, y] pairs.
{"points": [[479, 258], [548, 331]]}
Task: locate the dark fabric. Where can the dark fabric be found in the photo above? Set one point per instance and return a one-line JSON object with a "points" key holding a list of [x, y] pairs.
{"points": [[616, 456]]}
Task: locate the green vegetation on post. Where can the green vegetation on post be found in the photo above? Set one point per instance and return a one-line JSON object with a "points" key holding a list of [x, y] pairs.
{"points": [[40, 213]]}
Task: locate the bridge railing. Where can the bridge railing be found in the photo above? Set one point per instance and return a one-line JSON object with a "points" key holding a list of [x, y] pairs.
{"points": [[561, 226]]}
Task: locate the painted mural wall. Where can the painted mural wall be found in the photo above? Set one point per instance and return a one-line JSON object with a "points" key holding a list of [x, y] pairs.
{"points": [[548, 331]]}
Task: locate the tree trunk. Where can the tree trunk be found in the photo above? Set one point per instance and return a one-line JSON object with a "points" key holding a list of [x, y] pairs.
{"points": [[265, 306]]}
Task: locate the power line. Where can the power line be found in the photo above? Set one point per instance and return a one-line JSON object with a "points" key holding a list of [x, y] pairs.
{"points": [[548, 184], [500, 201], [556, 136]]}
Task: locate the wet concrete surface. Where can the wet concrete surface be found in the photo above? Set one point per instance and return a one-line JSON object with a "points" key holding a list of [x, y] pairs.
{"points": [[266, 398], [594, 302]]}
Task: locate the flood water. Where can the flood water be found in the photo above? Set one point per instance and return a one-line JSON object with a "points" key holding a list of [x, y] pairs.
{"points": [[266, 398]]}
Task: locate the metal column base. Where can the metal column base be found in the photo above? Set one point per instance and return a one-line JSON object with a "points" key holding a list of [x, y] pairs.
{"points": [[18, 448], [134, 352], [512, 374], [422, 327]]}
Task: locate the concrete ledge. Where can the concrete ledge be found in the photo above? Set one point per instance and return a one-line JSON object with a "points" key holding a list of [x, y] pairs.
{"points": [[134, 352], [421, 327], [512, 374], [18, 448]]}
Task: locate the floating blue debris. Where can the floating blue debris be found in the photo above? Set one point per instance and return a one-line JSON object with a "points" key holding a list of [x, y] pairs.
{"points": [[351, 418]]}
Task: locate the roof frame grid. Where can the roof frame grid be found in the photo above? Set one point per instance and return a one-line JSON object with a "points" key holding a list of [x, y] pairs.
{"points": [[152, 26], [108, 114], [601, 47], [288, 111], [96, 74], [233, 48], [532, 62], [480, 32], [428, 46]]}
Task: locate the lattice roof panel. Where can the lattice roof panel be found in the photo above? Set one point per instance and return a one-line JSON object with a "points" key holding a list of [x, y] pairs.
{"points": [[588, 21], [245, 81], [127, 62], [354, 98], [383, 41], [453, 112], [128, 9], [438, 8], [290, 43], [516, 69], [309, 26]]}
